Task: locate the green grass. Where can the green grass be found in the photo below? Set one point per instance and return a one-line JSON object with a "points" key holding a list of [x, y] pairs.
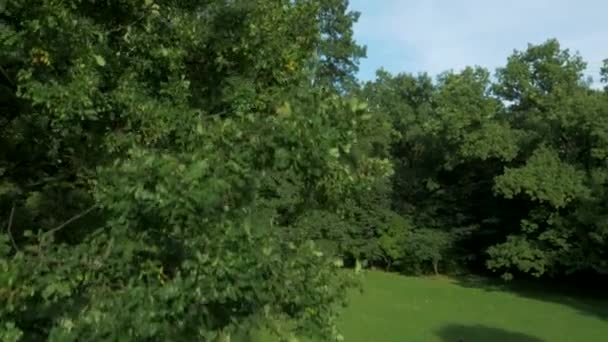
{"points": [[394, 308]]}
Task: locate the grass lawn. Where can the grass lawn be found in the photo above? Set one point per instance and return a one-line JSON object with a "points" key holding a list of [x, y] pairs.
{"points": [[394, 308]]}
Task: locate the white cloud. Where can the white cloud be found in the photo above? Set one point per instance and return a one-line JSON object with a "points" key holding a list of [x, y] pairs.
{"points": [[436, 35]]}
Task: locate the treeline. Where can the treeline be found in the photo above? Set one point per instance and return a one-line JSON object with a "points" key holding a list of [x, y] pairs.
{"points": [[508, 173], [194, 170]]}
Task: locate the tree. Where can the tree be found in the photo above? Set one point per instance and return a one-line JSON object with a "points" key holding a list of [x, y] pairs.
{"points": [[449, 142], [559, 174], [604, 72], [164, 132], [513, 171], [426, 246], [338, 52]]}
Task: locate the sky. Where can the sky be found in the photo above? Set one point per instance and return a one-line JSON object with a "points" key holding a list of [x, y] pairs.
{"points": [[438, 35]]}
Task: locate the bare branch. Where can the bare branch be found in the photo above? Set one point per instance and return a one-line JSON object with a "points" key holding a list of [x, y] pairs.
{"points": [[5, 74], [61, 226], [10, 225]]}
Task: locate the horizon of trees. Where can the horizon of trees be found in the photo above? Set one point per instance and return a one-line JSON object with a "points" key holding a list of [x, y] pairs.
{"points": [[198, 169]]}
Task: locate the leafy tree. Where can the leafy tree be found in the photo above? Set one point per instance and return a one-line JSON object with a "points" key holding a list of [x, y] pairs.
{"points": [[448, 138], [426, 246], [515, 168], [198, 169], [338, 52], [151, 203], [561, 168], [604, 72]]}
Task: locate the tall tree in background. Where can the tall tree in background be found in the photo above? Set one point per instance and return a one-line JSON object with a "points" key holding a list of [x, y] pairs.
{"points": [[449, 140], [560, 173], [604, 73], [514, 172], [338, 52]]}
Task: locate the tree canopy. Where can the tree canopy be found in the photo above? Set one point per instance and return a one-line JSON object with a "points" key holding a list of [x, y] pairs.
{"points": [[156, 157], [514, 169], [194, 170]]}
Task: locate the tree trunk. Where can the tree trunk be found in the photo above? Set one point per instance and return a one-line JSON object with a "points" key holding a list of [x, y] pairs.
{"points": [[223, 336], [436, 266]]}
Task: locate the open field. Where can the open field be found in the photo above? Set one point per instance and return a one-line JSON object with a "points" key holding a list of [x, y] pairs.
{"points": [[394, 308]]}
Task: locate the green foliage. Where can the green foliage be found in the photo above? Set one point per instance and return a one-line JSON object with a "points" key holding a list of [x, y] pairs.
{"points": [[196, 170], [339, 54], [511, 173], [424, 247], [562, 119], [393, 240], [519, 253], [544, 178], [604, 72], [148, 150], [540, 76]]}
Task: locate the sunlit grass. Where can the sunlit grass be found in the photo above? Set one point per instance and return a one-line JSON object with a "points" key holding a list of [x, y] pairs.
{"points": [[395, 308]]}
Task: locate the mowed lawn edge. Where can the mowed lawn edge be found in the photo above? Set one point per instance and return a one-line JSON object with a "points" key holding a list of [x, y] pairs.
{"points": [[396, 308]]}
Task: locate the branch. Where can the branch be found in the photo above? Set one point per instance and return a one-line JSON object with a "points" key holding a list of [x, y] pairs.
{"points": [[10, 224], [121, 27], [61, 226], [8, 79]]}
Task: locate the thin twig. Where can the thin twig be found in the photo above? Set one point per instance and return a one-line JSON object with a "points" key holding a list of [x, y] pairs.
{"points": [[10, 224], [61, 226], [5, 74], [120, 27]]}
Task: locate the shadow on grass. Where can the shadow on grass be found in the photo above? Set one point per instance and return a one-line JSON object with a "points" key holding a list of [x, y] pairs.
{"points": [[590, 303], [481, 333]]}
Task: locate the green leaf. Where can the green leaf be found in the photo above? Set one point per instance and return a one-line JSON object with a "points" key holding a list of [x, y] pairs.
{"points": [[99, 60], [334, 152], [366, 117], [284, 109]]}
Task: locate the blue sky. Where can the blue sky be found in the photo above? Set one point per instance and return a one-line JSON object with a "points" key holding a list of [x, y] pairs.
{"points": [[437, 35]]}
